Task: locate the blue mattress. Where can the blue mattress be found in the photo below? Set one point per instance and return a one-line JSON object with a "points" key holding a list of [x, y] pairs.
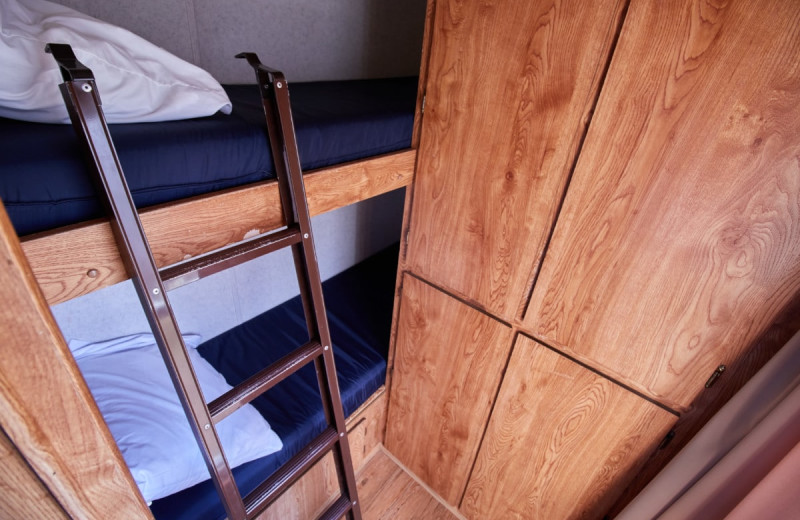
{"points": [[44, 183], [359, 304]]}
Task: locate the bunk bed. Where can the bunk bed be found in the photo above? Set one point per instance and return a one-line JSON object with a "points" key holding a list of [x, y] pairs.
{"points": [[341, 126], [355, 136]]}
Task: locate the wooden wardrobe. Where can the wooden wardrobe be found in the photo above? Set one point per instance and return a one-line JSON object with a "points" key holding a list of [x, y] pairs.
{"points": [[602, 245]]}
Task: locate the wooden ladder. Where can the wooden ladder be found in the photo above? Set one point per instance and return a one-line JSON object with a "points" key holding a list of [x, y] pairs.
{"points": [[84, 107]]}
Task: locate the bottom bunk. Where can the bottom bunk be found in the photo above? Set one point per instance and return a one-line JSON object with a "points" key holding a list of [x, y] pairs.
{"points": [[359, 305]]}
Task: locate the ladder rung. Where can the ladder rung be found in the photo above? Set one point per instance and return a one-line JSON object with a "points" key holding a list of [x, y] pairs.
{"points": [[263, 380], [287, 474], [337, 510], [192, 270]]}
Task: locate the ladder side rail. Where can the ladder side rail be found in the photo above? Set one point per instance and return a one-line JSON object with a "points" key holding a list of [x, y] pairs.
{"points": [[267, 85], [329, 385], [277, 147], [279, 121], [84, 107]]}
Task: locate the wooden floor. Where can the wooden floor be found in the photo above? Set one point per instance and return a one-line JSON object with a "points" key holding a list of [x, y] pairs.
{"points": [[387, 491]]}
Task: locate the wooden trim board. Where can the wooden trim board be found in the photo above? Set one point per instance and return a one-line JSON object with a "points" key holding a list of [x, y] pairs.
{"points": [[76, 260], [46, 409]]}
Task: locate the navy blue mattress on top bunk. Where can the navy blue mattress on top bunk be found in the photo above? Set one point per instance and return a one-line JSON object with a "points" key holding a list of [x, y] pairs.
{"points": [[359, 305], [44, 183]]}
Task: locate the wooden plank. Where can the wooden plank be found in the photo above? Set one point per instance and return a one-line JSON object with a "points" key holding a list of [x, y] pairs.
{"points": [[563, 442], [22, 494], [319, 487], [309, 496], [510, 89], [679, 241], [45, 407], [449, 360], [705, 406], [388, 492], [77, 260], [366, 428], [427, 35]]}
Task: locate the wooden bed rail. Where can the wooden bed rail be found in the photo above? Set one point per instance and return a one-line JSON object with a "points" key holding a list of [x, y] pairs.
{"points": [[77, 260]]}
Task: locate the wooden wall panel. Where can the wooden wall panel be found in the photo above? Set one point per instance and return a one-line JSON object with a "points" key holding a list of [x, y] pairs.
{"points": [[22, 494], [510, 88], [448, 363], [679, 241], [46, 409], [562, 442]]}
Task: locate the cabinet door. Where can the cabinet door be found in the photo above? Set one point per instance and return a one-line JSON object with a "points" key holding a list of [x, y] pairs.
{"points": [[679, 243], [449, 359], [562, 442], [510, 87]]}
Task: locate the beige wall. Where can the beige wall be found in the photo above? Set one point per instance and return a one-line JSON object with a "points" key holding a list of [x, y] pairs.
{"points": [[307, 39]]}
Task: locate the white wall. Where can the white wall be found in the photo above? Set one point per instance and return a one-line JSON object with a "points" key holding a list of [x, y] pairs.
{"points": [[307, 39]]}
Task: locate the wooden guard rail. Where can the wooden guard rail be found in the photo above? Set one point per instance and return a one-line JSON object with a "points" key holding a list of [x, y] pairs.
{"points": [[77, 260]]}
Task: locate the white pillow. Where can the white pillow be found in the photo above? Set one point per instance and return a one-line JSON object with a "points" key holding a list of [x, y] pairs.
{"points": [[130, 383], [137, 80]]}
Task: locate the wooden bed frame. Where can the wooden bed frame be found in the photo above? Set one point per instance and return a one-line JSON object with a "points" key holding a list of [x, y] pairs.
{"points": [[76, 260]]}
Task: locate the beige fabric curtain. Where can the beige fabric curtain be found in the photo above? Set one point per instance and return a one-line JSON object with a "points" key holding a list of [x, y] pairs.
{"points": [[745, 462]]}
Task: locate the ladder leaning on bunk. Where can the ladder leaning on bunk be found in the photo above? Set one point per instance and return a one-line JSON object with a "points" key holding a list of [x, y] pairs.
{"points": [[83, 104]]}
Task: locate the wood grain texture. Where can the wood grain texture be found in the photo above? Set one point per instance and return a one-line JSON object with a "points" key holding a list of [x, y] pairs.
{"points": [[62, 259], [309, 496], [509, 90], [389, 493], [711, 400], [366, 428], [22, 494], [319, 487], [448, 363], [679, 241], [562, 443], [427, 35], [46, 409]]}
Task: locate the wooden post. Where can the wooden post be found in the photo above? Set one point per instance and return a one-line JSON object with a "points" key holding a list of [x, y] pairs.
{"points": [[46, 409]]}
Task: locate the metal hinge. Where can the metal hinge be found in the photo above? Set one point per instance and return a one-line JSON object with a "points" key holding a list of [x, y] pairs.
{"points": [[422, 108], [667, 439], [713, 379]]}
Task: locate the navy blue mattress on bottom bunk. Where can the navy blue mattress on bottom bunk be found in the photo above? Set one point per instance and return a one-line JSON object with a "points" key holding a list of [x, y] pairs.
{"points": [[44, 183], [359, 305]]}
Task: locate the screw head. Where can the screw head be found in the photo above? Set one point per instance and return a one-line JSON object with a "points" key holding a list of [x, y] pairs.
{"points": [[279, 84], [86, 87], [207, 426], [156, 291], [305, 235]]}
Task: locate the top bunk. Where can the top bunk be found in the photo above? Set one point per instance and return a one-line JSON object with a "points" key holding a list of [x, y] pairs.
{"points": [[199, 183]]}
